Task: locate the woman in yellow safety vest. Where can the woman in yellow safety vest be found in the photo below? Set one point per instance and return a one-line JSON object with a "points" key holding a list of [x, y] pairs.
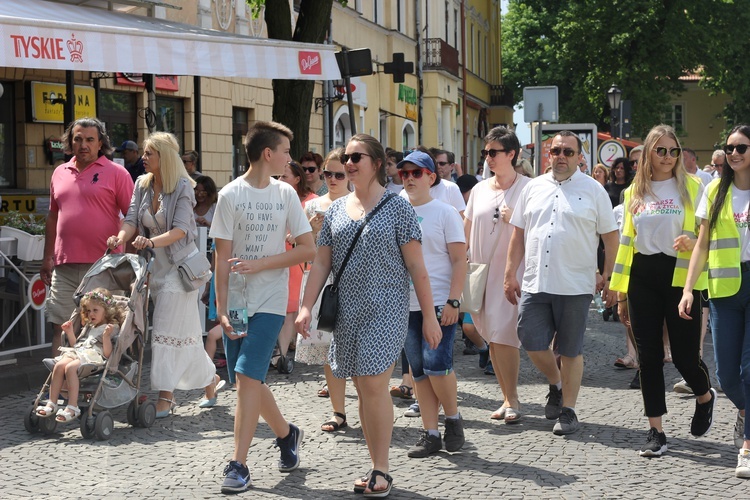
{"points": [[658, 236], [724, 242]]}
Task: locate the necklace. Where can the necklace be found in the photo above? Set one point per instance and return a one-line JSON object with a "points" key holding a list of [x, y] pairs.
{"points": [[496, 216]]}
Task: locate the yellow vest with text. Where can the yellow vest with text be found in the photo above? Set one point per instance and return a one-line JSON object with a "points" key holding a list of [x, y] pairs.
{"points": [[724, 275], [624, 259]]}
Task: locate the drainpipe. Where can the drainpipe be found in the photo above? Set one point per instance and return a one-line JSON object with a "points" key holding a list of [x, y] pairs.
{"points": [[420, 84], [465, 120], [197, 119], [328, 109]]}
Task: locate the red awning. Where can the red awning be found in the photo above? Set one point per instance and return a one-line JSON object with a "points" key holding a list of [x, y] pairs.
{"points": [[601, 137]]}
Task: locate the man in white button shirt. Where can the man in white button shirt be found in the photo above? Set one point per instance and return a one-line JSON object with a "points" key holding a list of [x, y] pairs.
{"points": [[558, 220], [690, 159]]}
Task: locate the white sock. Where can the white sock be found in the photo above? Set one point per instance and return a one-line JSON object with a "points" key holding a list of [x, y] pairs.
{"points": [[572, 408], [454, 417], [433, 432], [559, 385]]}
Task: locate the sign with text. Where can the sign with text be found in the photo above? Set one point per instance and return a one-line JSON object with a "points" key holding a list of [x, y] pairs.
{"points": [[48, 99], [161, 82], [37, 292]]}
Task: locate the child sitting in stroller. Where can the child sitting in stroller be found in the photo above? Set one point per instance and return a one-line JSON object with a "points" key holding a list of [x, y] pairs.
{"points": [[100, 320]]}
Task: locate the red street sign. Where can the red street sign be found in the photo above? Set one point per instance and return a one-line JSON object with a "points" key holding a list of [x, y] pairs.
{"points": [[37, 292]]}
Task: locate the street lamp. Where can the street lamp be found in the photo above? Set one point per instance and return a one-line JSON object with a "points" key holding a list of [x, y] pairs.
{"points": [[614, 94]]}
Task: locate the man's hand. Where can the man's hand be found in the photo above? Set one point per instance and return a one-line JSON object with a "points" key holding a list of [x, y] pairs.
{"points": [[512, 289], [431, 330], [48, 265]]}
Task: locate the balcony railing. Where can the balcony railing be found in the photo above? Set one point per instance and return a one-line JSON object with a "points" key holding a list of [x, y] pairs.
{"points": [[501, 95], [438, 55]]}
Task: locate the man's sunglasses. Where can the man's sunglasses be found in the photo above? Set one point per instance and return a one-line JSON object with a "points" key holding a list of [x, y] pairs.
{"points": [[492, 152], [662, 151], [741, 148], [310, 170], [340, 176], [417, 174], [355, 157], [562, 151]]}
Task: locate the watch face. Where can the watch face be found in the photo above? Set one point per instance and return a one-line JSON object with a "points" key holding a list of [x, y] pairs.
{"points": [[454, 303]]}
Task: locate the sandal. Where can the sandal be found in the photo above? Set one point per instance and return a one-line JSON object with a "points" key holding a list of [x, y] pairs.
{"points": [[499, 414], [626, 361], [513, 415], [402, 391], [47, 410], [373, 481], [362, 485], [334, 423], [165, 413], [323, 392], [65, 415]]}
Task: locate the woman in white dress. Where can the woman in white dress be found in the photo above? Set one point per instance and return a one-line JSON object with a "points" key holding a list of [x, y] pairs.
{"points": [[161, 213]]}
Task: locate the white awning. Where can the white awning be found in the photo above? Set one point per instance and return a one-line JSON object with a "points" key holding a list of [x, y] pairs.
{"points": [[47, 35]]}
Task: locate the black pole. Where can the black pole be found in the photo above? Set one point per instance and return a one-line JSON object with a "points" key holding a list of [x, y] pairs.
{"points": [[69, 107], [197, 117], [350, 105]]}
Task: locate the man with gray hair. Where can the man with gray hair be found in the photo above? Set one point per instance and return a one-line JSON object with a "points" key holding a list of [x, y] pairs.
{"points": [[717, 163], [88, 195], [690, 159]]}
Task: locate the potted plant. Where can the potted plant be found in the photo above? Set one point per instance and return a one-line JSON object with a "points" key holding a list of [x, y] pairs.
{"points": [[28, 230]]}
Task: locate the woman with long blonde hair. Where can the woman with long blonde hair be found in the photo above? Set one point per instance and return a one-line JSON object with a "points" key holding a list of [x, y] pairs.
{"points": [[658, 236]]}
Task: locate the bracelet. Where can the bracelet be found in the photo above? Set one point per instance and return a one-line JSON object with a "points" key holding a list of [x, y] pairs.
{"points": [[152, 243]]}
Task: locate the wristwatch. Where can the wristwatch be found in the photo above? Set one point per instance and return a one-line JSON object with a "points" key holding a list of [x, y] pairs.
{"points": [[454, 303]]}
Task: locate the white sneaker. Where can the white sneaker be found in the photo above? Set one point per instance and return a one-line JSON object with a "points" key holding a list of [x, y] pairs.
{"points": [[743, 464], [739, 431], [413, 410], [682, 387]]}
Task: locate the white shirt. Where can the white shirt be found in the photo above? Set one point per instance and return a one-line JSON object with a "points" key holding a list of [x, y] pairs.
{"points": [[447, 192], [741, 210], [705, 177], [618, 213], [396, 188], [562, 223], [440, 225], [256, 221]]}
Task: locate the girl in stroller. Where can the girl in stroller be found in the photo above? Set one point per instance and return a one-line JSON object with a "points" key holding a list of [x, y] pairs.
{"points": [[100, 320]]}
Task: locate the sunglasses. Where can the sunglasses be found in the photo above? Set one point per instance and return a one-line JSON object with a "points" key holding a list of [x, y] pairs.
{"points": [[417, 174], [560, 151], [662, 151], [741, 148], [310, 170], [492, 152], [355, 157], [340, 176]]}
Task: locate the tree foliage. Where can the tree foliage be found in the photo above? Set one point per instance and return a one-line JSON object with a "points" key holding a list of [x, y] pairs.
{"points": [[584, 46]]}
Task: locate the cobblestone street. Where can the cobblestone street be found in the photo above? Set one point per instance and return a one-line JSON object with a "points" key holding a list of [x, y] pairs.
{"points": [[183, 456]]}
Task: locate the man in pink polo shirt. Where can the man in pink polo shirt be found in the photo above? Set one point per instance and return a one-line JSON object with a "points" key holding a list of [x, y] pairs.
{"points": [[88, 194]]}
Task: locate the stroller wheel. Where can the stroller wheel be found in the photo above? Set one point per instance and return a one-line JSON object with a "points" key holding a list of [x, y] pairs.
{"points": [[47, 425], [285, 365], [147, 414], [103, 426], [132, 414], [606, 314], [31, 420], [87, 425]]}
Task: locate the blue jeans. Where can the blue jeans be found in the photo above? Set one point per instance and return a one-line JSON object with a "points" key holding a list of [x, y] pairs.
{"points": [[425, 361], [730, 328]]}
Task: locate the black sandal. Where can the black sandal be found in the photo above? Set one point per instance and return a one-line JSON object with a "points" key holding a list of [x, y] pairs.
{"points": [[373, 481], [360, 488], [333, 423]]}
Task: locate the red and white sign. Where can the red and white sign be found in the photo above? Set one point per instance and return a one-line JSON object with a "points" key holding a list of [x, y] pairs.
{"points": [[42, 47], [37, 292], [309, 63], [162, 82]]}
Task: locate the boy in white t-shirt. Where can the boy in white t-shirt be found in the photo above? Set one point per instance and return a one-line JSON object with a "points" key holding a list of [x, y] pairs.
{"points": [[253, 214]]}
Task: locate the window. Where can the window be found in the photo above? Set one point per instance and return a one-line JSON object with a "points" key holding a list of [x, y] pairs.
{"points": [[447, 11], [378, 16], [7, 138], [471, 48], [241, 117], [169, 117], [455, 28], [118, 112], [675, 116], [400, 15]]}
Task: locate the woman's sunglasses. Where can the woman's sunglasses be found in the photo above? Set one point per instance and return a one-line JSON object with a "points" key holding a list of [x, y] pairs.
{"points": [[310, 170], [355, 157], [492, 152], [661, 152], [417, 174], [340, 176], [741, 148]]}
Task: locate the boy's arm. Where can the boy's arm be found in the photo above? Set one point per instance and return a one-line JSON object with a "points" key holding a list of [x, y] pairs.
{"points": [[304, 251]]}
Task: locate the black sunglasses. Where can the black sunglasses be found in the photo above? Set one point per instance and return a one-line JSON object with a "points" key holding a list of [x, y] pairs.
{"points": [[355, 157], [741, 148], [492, 152], [662, 151], [564, 151], [310, 170], [340, 176], [417, 174]]}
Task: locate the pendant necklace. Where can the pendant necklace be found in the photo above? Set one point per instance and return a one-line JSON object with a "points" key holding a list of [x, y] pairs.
{"points": [[496, 216]]}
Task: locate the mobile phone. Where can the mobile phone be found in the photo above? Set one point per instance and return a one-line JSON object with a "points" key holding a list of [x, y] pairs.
{"points": [[320, 212]]}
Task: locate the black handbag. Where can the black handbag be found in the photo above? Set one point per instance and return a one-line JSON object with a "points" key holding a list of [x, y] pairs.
{"points": [[329, 299]]}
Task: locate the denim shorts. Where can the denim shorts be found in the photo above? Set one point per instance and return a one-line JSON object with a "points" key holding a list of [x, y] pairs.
{"points": [[541, 316], [423, 360], [251, 355]]}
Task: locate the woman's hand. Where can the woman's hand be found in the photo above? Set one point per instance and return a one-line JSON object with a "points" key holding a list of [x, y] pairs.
{"points": [[622, 311], [505, 213], [201, 221], [431, 330], [684, 243], [685, 305], [141, 242], [316, 222], [302, 323], [450, 315], [114, 242]]}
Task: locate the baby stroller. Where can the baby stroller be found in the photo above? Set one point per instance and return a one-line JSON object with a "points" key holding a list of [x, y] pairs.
{"points": [[119, 381]]}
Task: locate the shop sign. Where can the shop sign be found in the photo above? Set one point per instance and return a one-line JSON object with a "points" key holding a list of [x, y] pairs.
{"points": [[310, 62], [161, 82], [42, 47], [37, 293], [27, 204], [48, 99], [407, 94]]}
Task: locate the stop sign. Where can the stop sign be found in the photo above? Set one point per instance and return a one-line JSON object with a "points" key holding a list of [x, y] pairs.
{"points": [[37, 292]]}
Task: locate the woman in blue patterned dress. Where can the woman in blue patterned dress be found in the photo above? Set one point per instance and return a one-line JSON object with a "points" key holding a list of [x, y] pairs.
{"points": [[374, 306]]}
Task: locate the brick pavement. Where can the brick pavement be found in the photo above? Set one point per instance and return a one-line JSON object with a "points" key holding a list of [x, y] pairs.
{"points": [[183, 456]]}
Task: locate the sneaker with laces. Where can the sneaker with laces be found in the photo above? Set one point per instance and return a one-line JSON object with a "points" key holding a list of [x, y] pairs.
{"points": [[554, 403], [471, 350], [656, 444], [289, 447], [236, 478], [567, 423], [739, 431], [703, 418], [454, 434], [413, 410], [426, 445], [484, 357], [743, 464], [682, 387]]}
